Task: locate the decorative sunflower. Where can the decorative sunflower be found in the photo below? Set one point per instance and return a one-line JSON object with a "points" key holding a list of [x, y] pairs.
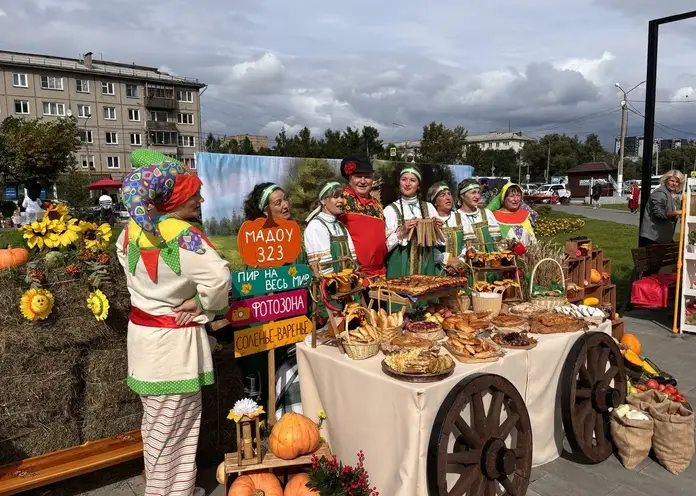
{"points": [[35, 234], [98, 303], [292, 271], [36, 304], [96, 237], [57, 211], [62, 233], [246, 288]]}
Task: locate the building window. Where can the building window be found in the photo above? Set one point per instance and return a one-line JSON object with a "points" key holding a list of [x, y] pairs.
{"points": [[113, 163], [111, 138], [162, 138], [506, 143], [497, 144], [21, 107], [87, 161], [110, 113], [20, 80], [84, 111], [191, 162], [51, 83], [187, 141], [160, 93], [185, 118], [86, 136], [82, 86], [53, 108], [184, 96], [108, 88], [132, 90], [159, 116], [136, 139], [134, 115]]}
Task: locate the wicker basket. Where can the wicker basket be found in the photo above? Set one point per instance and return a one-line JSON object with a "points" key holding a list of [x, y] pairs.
{"points": [[548, 302], [488, 304], [462, 300], [388, 333], [355, 350]]}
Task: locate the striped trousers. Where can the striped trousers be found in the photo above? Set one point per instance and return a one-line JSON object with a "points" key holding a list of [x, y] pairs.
{"points": [[170, 428]]}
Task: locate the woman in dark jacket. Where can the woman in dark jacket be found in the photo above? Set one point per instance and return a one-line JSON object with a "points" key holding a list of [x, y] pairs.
{"points": [[661, 212]]}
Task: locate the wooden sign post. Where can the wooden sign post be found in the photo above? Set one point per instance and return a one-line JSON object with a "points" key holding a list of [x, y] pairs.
{"points": [[275, 290]]}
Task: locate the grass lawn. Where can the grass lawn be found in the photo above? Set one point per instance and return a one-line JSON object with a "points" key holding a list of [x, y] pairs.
{"points": [[227, 246], [616, 240], [617, 206]]}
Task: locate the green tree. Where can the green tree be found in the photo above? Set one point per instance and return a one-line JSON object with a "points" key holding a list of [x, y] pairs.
{"points": [[593, 151], [213, 144], [37, 150], [442, 145], [303, 183], [225, 227], [73, 188], [246, 148], [566, 152]]}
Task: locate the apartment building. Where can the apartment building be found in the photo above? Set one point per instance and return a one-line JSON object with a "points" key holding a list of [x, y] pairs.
{"points": [[257, 141], [119, 107]]}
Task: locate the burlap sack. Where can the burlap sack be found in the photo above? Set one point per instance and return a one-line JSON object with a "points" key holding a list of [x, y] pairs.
{"points": [[633, 438], [647, 398], [673, 439]]}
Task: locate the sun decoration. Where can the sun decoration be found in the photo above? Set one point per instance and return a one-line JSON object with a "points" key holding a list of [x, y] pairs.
{"points": [[98, 303], [95, 237], [36, 304], [245, 406]]}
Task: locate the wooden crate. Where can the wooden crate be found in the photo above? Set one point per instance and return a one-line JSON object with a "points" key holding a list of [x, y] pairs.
{"points": [[594, 291], [588, 269], [571, 248], [597, 257], [576, 271], [617, 328], [609, 297], [606, 267]]}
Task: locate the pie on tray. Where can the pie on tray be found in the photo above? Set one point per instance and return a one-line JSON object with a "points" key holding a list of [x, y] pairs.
{"points": [[423, 327], [418, 285], [553, 323], [419, 361], [503, 320]]}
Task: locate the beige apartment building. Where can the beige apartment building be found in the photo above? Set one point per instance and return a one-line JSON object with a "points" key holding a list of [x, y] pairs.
{"points": [[119, 107]]}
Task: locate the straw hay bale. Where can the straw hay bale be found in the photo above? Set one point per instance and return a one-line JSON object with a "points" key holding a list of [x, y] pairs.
{"points": [[111, 421], [37, 440]]}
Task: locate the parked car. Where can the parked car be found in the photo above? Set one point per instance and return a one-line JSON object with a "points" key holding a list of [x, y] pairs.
{"points": [[551, 190]]}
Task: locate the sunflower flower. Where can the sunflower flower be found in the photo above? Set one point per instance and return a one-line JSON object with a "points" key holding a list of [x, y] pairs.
{"points": [[96, 237], [56, 211], [98, 303], [36, 304], [64, 232], [35, 234]]}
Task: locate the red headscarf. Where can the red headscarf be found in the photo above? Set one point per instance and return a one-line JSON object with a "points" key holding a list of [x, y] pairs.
{"points": [[185, 186]]}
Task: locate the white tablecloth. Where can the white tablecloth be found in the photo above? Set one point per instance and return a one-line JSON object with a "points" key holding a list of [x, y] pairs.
{"points": [[391, 420]]}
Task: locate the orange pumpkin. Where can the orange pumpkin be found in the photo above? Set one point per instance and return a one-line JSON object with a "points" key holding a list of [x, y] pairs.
{"points": [[263, 484], [13, 257], [294, 435], [269, 242], [595, 276], [297, 486], [632, 342]]}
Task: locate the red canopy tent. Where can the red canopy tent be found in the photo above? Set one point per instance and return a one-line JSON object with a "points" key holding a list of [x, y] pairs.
{"points": [[105, 183]]}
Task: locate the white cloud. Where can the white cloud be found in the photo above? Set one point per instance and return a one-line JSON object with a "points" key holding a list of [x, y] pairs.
{"points": [[594, 70]]}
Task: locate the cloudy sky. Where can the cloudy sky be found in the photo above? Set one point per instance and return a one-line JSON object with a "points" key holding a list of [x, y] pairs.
{"points": [[538, 66]]}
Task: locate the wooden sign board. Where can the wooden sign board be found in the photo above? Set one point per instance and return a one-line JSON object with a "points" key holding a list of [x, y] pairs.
{"points": [[271, 335], [269, 242], [266, 308], [258, 282]]}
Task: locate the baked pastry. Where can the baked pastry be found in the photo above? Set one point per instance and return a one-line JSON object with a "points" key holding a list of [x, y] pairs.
{"points": [[503, 320], [471, 347], [526, 309], [554, 323], [423, 327], [417, 285], [451, 322], [411, 342], [418, 361], [463, 328], [514, 340]]}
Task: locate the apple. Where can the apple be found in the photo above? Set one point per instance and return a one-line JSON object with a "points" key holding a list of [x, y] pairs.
{"points": [[651, 384]]}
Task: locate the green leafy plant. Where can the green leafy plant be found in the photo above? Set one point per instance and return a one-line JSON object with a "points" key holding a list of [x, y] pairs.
{"points": [[331, 478]]}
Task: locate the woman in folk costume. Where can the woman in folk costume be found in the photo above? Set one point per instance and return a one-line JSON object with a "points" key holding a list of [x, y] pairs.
{"points": [[363, 216], [515, 218], [177, 283], [267, 197], [440, 196], [406, 257], [326, 239], [479, 225]]}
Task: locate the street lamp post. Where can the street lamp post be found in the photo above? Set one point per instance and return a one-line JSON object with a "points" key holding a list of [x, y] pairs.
{"points": [[624, 123]]}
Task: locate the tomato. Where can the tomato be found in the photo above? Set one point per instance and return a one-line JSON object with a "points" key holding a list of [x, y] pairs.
{"points": [[652, 384], [669, 389], [661, 387]]}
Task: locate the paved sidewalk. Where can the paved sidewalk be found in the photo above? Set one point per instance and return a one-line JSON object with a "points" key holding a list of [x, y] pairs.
{"points": [[608, 214], [675, 353]]}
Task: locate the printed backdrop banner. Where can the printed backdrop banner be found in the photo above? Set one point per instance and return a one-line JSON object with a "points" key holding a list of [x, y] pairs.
{"points": [[228, 179]]}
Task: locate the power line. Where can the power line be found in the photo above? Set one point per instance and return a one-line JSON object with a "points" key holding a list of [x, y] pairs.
{"points": [[577, 120], [663, 127]]}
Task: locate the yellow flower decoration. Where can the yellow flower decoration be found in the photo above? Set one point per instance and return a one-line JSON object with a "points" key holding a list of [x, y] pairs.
{"points": [[36, 304], [292, 271], [98, 303], [246, 288], [241, 313], [322, 415], [62, 233], [35, 234], [96, 237], [57, 211]]}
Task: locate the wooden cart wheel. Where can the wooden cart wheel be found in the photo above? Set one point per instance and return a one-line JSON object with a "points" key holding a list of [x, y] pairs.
{"points": [[490, 450], [593, 382]]}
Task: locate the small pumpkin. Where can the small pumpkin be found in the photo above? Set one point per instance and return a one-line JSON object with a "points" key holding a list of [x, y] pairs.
{"points": [[294, 435], [590, 301], [595, 276], [633, 358], [632, 342], [13, 257], [262, 484], [297, 486], [220, 473], [269, 242]]}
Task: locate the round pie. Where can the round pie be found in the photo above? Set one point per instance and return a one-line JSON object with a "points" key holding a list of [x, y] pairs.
{"points": [[424, 327], [507, 321], [411, 342]]}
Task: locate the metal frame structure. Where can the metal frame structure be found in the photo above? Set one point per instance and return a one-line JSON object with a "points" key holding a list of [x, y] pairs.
{"points": [[650, 91]]}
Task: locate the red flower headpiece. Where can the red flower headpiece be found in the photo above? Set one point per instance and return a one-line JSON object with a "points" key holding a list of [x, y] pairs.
{"points": [[350, 168]]}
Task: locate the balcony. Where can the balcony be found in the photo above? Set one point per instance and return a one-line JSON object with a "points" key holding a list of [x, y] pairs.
{"points": [[154, 102], [160, 126]]}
